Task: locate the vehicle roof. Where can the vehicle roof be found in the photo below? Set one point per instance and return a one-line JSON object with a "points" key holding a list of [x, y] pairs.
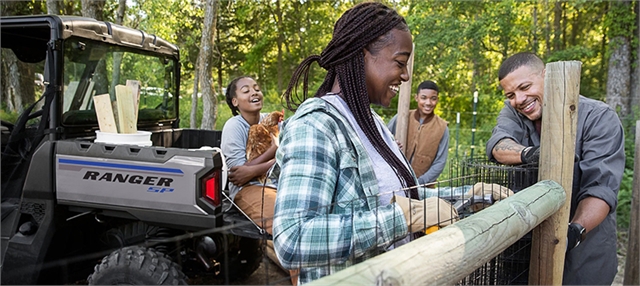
{"points": [[63, 27]]}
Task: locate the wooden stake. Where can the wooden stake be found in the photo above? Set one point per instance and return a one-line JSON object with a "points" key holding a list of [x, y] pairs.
{"points": [[631, 267], [134, 85], [404, 100], [126, 114], [557, 151], [104, 113]]}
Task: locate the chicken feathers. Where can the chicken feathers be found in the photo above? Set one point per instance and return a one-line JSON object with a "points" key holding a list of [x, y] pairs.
{"points": [[262, 134]]}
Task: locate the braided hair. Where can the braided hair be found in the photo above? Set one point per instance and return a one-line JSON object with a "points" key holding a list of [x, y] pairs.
{"points": [[230, 94], [365, 26]]}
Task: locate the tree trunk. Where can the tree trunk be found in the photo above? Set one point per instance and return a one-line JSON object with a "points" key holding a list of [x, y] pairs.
{"points": [[194, 97], [18, 88], [18, 91], [534, 43], [52, 7], [619, 74], [279, 43], [117, 57], [577, 22], [547, 29], [205, 58], [13, 86], [219, 64], [93, 9], [563, 26], [557, 27], [635, 77], [122, 6]]}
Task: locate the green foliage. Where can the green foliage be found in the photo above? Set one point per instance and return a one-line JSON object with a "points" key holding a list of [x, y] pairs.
{"points": [[269, 39], [619, 21], [12, 8], [459, 45], [10, 117], [185, 111], [623, 211], [272, 102]]}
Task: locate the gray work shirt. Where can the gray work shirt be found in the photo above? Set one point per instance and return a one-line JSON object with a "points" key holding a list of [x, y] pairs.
{"points": [[598, 173]]}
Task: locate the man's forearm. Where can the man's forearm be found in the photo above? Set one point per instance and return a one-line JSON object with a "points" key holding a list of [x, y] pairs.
{"points": [[590, 212], [507, 152]]}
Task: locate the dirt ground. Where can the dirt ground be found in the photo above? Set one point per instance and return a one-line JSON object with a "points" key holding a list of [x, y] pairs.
{"points": [[268, 273], [622, 256]]}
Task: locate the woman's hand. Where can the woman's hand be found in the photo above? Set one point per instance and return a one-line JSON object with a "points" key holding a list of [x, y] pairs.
{"points": [[240, 175]]}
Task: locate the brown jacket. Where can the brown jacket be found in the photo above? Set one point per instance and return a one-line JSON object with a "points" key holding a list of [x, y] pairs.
{"points": [[423, 140]]}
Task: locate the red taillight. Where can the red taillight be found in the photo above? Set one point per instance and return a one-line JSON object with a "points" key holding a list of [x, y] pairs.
{"points": [[210, 188]]}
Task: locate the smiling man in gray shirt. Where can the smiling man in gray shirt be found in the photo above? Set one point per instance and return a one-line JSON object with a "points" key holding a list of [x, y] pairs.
{"points": [[591, 239]]}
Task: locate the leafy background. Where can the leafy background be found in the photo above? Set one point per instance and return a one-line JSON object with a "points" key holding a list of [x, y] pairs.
{"points": [[459, 45]]}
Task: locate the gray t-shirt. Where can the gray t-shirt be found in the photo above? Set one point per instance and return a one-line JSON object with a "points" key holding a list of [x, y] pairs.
{"points": [[234, 147], [597, 173]]}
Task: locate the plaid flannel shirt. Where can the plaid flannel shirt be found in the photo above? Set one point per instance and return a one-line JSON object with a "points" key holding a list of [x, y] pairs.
{"points": [[327, 213]]}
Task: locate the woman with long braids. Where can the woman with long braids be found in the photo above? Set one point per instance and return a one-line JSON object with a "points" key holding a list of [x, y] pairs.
{"points": [[345, 189]]}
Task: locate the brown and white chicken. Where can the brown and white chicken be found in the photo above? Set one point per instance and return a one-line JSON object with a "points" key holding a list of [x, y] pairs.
{"points": [[261, 135]]}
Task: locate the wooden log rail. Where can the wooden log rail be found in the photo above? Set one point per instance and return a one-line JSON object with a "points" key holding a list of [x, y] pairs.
{"points": [[452, 253]]}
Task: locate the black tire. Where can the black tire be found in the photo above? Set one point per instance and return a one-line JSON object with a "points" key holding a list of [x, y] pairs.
{"points": [[137, 265]]}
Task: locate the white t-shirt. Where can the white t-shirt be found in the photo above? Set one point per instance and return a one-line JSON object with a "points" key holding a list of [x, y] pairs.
{"points": [[388, 183]]}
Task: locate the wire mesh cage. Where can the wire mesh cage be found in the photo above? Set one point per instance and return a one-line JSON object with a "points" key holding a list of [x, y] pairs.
{"points": [[508, 268], [511, 267]]}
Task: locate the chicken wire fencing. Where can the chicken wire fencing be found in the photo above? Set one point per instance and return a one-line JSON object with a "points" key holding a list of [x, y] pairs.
{"points": [[248, 255], [473, 185], [511, 267]]}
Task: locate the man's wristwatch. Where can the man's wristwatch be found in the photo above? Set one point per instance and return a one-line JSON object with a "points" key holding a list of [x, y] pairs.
{"points": [[575, 235]]}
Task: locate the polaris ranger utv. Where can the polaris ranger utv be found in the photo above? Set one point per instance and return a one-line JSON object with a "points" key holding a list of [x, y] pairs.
{"points": [[115, 213]]}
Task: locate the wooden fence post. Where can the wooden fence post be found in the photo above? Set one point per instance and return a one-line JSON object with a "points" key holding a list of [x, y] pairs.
{"points": [[557, 149], [631, 269], [404, 100]]}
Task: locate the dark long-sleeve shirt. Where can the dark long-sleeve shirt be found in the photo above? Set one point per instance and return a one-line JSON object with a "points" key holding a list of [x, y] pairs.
{"points": [[597, 173]]}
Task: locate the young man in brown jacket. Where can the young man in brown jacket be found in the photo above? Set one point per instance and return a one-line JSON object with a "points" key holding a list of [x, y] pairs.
{"points": [[427, 135]]}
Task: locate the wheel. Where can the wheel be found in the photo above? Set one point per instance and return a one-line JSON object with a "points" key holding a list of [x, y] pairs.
{"points": [[137, 265]]}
